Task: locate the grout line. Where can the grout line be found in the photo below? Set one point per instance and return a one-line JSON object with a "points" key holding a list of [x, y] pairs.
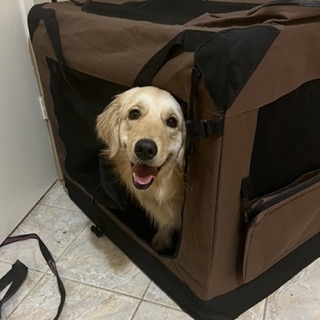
{"points": [[60, 207], [141, 300], [58, 182], [98, 287], [49, 189], [265, 309], [155, 303], [27, 294], [162, 305], [148, 286], [71, 243], [57, 259], [34, 206], [136, 310], [6, 262]]}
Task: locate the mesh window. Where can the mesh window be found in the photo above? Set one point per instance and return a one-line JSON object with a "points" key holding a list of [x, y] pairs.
{"points": [[287, 140]]}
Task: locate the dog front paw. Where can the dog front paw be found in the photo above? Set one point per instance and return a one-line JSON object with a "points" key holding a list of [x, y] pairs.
{"points": [[161, 241]]}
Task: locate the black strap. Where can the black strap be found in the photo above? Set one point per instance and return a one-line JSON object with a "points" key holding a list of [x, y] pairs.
{"points": [[50, 261], [36, 14], [204, 128], [301, 3], [16, 277], [185, 41]]}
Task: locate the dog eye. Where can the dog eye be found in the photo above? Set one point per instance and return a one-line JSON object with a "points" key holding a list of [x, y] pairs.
{"points": [[172, 122], [134, 114]]}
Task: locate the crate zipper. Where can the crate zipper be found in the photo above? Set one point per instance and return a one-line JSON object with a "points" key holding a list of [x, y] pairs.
{"points": [[254, 207]]}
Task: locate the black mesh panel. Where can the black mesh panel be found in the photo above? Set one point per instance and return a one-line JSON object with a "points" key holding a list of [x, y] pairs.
{"points": [[287, 141]]}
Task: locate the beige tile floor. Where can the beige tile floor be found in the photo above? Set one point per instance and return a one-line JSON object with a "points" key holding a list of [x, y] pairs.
{"points": [[102, 283]]}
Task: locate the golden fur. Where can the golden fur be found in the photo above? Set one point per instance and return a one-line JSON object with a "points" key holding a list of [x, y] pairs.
{"points": [[151, 114]]}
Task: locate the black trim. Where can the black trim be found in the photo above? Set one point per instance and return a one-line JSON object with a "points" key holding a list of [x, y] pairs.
{"points": [[163, 11], [224, 307]]}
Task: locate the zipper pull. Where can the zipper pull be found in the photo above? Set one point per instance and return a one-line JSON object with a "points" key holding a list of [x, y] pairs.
{"points": [[246, 206], [248, 213], [246, 217]]}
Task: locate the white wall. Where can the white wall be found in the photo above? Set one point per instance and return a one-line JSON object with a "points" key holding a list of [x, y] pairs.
{"points": [[27, 167]]}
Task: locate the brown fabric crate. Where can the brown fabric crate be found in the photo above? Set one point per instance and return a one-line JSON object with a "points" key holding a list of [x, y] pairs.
{"points": [[250, 73]]}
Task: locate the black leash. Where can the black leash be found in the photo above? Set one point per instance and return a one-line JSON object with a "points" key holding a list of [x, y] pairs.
{"points": [[19, 271], [16, 277]]}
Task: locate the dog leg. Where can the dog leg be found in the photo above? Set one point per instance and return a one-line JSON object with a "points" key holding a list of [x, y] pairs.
{"points": [[163, 238]]}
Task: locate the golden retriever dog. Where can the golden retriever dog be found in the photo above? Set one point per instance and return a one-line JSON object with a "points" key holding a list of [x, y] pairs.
{"points": [[144, 131]]}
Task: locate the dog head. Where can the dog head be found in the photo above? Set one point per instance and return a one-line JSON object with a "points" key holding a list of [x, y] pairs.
{"points": [[145, 128]]}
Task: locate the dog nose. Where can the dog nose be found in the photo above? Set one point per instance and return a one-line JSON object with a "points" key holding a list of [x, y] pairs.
{"points": [[145, 149]]}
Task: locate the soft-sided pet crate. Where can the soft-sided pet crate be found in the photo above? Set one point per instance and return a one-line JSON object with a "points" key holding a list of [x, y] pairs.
{"points": [[247, 75]]}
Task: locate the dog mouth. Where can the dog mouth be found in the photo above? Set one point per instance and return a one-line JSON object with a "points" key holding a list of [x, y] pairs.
{"points": [[143, 175]]}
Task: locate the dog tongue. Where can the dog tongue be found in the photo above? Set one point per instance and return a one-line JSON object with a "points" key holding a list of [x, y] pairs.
{"points": [[143, 174]]}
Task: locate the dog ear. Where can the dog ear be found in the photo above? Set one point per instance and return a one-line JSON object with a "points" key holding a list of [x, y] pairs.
{"points": [[108, 126]]}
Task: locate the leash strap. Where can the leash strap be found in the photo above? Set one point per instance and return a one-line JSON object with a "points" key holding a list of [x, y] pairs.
{"points": [[22, 270], [15, 277]]}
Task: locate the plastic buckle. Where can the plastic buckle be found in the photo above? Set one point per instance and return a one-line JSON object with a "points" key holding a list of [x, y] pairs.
{"points": [[195, 129]]}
